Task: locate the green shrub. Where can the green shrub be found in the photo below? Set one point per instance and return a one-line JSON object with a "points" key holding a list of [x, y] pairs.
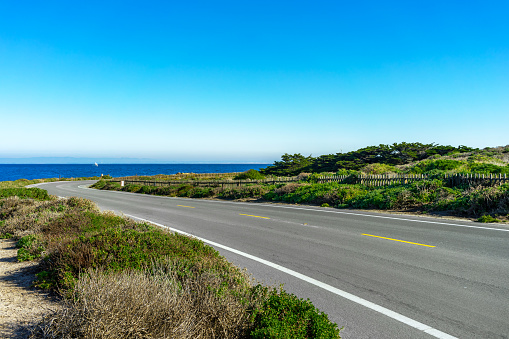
{"points": [[147, 189], [284, 316], [436, 165], [99, 184], [202, 192], [30, 247], [33, 193], [378, 168], [107, 185], [45, 280], [5, 235], [488, 168], [487, 218], [250, 174], [119, 249], [254, 191], [131, 188], [479, 201]]}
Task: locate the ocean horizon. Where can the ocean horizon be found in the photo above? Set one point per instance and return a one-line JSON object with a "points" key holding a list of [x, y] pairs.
{"points": [[12, 172]]}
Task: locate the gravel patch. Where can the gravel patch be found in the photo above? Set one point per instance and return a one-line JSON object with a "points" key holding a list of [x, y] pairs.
{"points": [[21, 305]]}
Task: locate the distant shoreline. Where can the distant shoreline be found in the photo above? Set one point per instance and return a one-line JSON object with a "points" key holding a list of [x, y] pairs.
{"points": [[12, 172]]}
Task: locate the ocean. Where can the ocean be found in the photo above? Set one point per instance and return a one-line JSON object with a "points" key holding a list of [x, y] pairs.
{"points": [[11, 172]]}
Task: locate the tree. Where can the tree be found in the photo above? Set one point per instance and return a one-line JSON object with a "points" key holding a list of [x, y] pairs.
{"points": [[290, 164]]}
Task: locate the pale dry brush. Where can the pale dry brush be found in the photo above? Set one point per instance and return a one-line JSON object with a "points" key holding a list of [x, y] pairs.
{"points": [[27, 216], [155, 303]]}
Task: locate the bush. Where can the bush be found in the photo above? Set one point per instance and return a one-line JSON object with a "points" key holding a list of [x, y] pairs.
{"points": [[377, 168], [254, 191], [439, 165], [99, 184], [30, 247], [487, 218], [284, 316], [250, 174], [24, 193], [107, 185], [119, 249], [5, 235], [488, 168], [479, 201]]}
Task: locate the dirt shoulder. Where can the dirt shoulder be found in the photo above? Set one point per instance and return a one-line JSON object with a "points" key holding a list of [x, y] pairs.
{"points": [[20, 303]]}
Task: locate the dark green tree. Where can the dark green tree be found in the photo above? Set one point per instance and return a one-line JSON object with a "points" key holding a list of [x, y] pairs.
{"points": [[290, 164]]}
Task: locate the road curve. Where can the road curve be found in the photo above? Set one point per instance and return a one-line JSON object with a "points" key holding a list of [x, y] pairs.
{"points": [[379, 275]]}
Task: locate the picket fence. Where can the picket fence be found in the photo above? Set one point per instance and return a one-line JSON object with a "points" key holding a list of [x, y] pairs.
{"points": [[386, 180], [207, 183], [368, 180], [181, 176]]}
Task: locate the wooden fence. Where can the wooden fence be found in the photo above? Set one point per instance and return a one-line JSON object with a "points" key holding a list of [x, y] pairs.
{"points": [[368, 180], [207, 183], [180, 176], [451, 179], [477, 179]]}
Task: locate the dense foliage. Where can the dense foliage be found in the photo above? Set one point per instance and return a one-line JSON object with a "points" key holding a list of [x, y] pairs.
{"points": [[34, 193], [284, 315], [395, 154], [425, 196], [251, 174]]}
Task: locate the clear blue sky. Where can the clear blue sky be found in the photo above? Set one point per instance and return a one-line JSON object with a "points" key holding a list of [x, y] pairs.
{"points": [[237, 81]]}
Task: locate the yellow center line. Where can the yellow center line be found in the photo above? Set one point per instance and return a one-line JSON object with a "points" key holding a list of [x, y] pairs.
{"points": [[254, 216], [408, 242], [185, 206]]}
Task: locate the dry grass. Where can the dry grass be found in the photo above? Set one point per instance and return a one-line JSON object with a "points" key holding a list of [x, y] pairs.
{"points": [[27, 216], [154, 303]]}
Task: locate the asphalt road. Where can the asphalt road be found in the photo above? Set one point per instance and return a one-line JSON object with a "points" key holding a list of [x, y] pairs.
{"points": [[378, 275]]}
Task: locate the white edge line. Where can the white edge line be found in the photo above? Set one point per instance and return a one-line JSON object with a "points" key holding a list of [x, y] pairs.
{"points": [[319, 210], [309, 209], [396, 316]]}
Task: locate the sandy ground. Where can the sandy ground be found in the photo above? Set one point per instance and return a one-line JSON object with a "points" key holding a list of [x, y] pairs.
{"points": [[20, 304]]}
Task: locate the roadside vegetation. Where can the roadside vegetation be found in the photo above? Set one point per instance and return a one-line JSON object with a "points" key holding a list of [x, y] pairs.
{"points": [[121, 279], [435, 195], [25, 182], [396, 158]]}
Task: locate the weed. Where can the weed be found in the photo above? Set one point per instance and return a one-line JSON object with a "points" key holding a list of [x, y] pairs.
{"points": [[30, 247], [487, 218], [5, 236]]}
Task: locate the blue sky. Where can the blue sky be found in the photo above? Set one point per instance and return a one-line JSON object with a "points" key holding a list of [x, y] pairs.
{"points": [[246, 81]]}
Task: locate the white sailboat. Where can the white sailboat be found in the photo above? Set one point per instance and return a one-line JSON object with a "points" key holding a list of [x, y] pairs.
{"points": [[96, 164]]}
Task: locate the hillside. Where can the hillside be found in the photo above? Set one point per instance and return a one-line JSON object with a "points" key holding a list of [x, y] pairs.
{"points": [[398, 158]]}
